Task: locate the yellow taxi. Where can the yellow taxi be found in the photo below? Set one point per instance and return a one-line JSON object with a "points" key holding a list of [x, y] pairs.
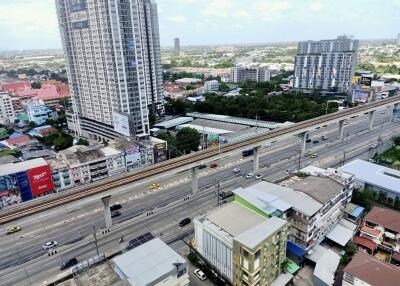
{"points": [[154, 186], [13, 229]]}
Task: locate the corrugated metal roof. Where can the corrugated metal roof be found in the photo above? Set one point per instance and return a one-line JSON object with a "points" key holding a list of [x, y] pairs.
{"points": [[173, 122], [148, 262], [373, 174], [340, 234], [13, 168], [236, 120], [299, 201]]}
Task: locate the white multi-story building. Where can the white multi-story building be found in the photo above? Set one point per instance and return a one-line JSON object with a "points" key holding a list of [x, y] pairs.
{"points": [[113, 61], [7, 113], [244, 246], [92, 163], [326, 64], [211, 85], [250, 73], [314, 206]]}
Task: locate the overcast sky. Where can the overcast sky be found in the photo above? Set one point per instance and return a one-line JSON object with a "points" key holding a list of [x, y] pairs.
{"points": [[32, 24]]}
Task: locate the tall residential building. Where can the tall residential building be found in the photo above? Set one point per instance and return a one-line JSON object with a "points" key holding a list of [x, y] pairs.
{"points": [[177, 46], [112, 51], [7, 113], [398, 39], [242, 245], [326, 64], [250, 73]]}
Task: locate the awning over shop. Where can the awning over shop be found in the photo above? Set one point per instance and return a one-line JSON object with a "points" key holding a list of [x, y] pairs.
{"points": [[340, 234]]}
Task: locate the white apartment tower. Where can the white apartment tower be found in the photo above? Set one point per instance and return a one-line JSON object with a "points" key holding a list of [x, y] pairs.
{"points": [[112, 51], [241, 74], [7, 113], [326, 65]]}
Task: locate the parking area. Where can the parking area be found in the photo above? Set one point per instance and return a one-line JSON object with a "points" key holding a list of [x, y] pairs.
{"points": [[304, 277], [183, 250]]}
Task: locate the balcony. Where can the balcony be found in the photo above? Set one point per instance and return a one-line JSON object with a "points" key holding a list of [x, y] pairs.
{"points": [[371, 232]]}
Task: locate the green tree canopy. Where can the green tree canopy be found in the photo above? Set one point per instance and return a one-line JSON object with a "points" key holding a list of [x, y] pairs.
{"points": [[36, 85], [82, 141], [187, 140]]}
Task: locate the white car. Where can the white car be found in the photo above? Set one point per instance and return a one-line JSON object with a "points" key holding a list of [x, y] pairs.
{"points": [[249, 175], [259, 177], [236, 170], [50, 245], [200, 274]]}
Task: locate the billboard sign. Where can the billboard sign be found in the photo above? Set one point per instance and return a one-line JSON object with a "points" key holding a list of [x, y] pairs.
{"points": [[160, 152], [40, 180], [365, 82], [361, 95], [24, 186], [123, 124]]}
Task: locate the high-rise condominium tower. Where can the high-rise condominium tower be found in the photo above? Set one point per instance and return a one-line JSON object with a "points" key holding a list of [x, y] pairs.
{"points": [[326, 65], [112, 50], [177, 46]]}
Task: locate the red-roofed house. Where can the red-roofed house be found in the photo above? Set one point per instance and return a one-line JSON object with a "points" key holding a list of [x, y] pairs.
{"points": [[14, 87], [382, 228], [17, 142], [51, 94], [366, 270]]}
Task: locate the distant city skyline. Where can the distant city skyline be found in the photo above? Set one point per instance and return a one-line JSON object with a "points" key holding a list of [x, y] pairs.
{"points": [[32, 24]]}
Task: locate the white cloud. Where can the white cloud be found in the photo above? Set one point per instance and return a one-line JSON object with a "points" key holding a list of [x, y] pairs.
{"points": [[316, 6], [217, 8], [272, 8], [177, 19], [242, 14]]}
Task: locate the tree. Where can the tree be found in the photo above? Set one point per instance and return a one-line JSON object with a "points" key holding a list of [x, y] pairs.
{"points": [[187, 140], [31, 125], [284, 265], [350, 248], [36, 85], [396, 140], [82, 141], [63, 141]]}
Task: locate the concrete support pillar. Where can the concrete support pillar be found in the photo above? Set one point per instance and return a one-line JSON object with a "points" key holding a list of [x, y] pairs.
{"points": [[195, 180], [303, 138], [341, 129], [371, 119], [395, 106], [256, 160], [107, 212]]}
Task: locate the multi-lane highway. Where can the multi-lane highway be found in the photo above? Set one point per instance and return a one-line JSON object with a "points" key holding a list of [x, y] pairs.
{"points": [[187, 162], [24, 262]]}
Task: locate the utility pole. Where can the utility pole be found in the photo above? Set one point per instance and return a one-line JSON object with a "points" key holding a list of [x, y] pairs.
{"points": [[299, 167], [218, 190], [95, 238], [344, 158]]}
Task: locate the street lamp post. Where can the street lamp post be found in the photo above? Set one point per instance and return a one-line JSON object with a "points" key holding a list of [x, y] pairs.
{"points": [[95, 238]]}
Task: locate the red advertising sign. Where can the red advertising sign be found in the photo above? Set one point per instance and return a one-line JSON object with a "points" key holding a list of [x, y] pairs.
{"points": [[40, 180]]}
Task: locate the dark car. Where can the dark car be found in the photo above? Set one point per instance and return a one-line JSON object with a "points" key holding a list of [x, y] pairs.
{"points": [[316, 141], [185, 221], [115, 207], [308, 141], [214, 165], [202, 166], [115, 214], [69, 263]]}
